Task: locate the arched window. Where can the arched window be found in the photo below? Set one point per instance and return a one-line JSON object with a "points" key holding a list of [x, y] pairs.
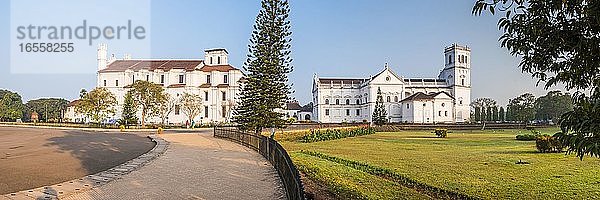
{"points": [[407, 105], [395, 98], [446, 113], [462, 81], [337, 102], [347, 101], [357, 101], [326, 101], [440, 113], [466, 59], [388, 98]]}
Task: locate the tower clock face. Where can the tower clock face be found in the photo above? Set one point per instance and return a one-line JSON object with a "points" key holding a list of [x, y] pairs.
{"points": [[387, 78]]}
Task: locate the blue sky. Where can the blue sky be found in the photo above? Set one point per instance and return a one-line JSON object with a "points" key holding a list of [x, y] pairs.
{"points": [[330, 38]]}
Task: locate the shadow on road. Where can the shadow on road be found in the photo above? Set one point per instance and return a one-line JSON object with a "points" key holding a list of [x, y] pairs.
{"points": [[101, 151]]}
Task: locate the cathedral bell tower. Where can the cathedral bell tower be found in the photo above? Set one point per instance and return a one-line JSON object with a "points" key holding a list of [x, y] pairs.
{"points": [[457, 73]]}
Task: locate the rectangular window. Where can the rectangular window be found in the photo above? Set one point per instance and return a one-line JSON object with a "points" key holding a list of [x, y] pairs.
{"points": [[347, 112], [446, 113], [207, 78], [326, 111], [162, 78], [225, 78], [224, 111], [181, 78], [205, 111], [117, 83], [104, 83], [177, 109], [205, 96], [147, 77], [440, 113], [357, 112], [223, 96]]}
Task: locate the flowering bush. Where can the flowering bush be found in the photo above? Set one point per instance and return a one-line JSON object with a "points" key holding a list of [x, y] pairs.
{"points": [[334, 134]]}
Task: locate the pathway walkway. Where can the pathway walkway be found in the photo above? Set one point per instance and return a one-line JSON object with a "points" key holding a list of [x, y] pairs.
{"points": [[196, 166]]}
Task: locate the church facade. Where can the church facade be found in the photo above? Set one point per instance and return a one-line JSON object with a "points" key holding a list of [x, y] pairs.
{"points": [[213, 78], [444, 99]]}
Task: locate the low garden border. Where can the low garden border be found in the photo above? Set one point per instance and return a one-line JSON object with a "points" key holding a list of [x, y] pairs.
{"points": [[273, 152]]}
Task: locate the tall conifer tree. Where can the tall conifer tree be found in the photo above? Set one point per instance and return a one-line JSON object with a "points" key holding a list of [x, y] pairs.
{"points": [[379, 114], [266, 87]]}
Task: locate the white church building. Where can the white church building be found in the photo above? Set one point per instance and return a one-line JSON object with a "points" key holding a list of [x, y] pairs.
{"points": [[213, 78], [444, 99]]}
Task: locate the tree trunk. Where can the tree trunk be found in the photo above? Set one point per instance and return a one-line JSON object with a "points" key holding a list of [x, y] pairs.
{"points": [[143, 119]]}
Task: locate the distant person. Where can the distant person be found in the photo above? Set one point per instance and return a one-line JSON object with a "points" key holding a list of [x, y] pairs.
{"points": [[187, 124]]}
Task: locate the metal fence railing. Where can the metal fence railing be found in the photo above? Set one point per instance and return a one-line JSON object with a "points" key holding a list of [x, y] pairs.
{"points": [[273, 152]]}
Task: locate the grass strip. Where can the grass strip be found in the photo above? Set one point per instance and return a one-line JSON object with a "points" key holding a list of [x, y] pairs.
{"points": [[389, 174]]}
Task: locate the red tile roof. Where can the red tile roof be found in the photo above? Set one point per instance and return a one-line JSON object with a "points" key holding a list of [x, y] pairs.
{"points": [[73, 103], [221, 68], [165, 65], [176, 86]]}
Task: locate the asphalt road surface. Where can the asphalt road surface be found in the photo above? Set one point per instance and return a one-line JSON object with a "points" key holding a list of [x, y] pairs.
{"points": [[34, 157]]}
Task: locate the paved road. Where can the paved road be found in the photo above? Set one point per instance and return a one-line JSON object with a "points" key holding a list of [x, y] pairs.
{"points": [[34, 157], [196, 166]]}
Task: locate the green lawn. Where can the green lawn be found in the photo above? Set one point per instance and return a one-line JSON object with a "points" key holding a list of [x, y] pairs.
{"points": [[475, 163]]}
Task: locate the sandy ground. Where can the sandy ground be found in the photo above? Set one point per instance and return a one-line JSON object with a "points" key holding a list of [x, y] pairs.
{"points": [[33, 157]]}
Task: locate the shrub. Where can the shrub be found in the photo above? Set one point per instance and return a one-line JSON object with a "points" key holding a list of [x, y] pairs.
{"points": [[529, 136], [441, 132], [548, 144], [526, 137]]}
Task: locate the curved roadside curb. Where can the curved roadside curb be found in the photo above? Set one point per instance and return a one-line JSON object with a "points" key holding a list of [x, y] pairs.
{"points": [[88, 182]]}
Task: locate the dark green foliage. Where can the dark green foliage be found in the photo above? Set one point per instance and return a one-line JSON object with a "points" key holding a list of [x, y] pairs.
{"points": [[501, 115], [379, 114], [490, 114], [557, 41], [266, 85], [441, 132], [477, 114], [495, 113], [548, 144], [437, 193], [11, 106], [522, 108], [580, 128], [130, 108], [553, 105], [334, 134], [48, 109], [526, 137]]}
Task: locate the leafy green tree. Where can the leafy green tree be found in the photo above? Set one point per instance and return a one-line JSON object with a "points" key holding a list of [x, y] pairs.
{"points": [[557, 41], [266, 87], [191, 105], [483, 104], [166, 107], [495, 113], [379, 114], [11, 106], [553, 105], [501, 114], [477, 113], [130, 108], [148, 96], [97, 104], [48, 109], [522, 107]]}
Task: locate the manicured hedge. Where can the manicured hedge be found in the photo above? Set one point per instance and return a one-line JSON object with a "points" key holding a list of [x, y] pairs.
{"points": [[334, 134]]}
